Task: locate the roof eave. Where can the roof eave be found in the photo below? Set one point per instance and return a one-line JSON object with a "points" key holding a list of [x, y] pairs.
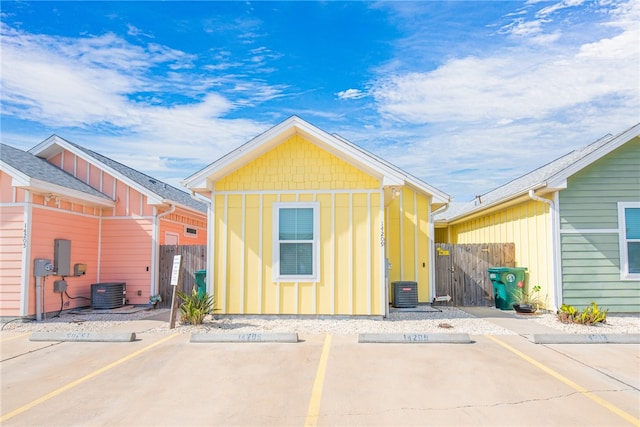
{"points": [[71, 195], [46, 149], [486, 208], [559, 180], [201, 181]]}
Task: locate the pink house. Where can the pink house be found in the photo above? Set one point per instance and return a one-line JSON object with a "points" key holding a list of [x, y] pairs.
{"points": [[111, 218]]}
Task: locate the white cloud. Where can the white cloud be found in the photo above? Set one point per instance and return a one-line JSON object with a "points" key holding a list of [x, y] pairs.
{"points": [[476, 122], [351, 94], [546, 11], [103, 82], [517, 84]]}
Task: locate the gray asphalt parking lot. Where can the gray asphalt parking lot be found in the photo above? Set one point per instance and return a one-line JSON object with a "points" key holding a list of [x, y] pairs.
{"points": [[325, 380]]}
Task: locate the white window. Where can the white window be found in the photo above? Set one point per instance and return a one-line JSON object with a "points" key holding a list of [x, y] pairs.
{"points": [[629, 223], [295, 242]]}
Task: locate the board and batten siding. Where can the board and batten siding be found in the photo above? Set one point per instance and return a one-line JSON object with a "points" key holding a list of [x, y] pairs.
{"points": [[407, 238], [589, 231], [350, 222], [125, 249], [527, 225], [48, 224]]}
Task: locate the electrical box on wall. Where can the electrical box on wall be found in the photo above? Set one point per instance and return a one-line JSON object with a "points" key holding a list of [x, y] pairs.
{"points": [[60, 286], [42, 267], [79, 269], [62, 257]]}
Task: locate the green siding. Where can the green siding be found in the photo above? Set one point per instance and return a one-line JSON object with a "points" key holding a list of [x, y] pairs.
{"points": [[591, 261]]}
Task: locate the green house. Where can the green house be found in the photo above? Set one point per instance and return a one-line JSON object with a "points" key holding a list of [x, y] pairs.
{"points": [[575, 223]]}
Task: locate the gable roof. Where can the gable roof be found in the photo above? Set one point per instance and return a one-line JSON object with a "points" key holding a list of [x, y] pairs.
{"points": [[548, 178], [36, 174], [157, 192], [387, 173]]}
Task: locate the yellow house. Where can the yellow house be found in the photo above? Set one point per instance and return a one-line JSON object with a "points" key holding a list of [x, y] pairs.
{"points": [[575, 223], [304, 222]]}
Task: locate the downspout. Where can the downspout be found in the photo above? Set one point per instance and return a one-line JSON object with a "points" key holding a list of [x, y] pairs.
{"points": [[556, 297], [210, 243], [155, 279]]}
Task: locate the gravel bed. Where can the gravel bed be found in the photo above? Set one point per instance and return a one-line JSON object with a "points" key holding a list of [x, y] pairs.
{"points": [[616, 324], [427, 320], [444, 320]]}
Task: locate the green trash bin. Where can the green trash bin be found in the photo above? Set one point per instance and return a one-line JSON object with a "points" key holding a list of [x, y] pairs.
{"points": [[201, 276], [505, 284]]}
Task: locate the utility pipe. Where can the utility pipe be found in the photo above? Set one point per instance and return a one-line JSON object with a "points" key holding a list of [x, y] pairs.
{"points": [[38, 298], [556, 297]]}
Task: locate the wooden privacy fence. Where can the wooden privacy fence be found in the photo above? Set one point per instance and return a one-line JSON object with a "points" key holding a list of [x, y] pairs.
{"points": [[461, 271], [194, 258]]}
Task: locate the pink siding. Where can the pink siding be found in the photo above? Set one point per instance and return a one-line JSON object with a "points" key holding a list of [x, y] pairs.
{"points": [[179, 229], [56, 160], [126, 255], [12, 232], [81, 170], [82, 231], [135, 207], [107, 185], [147, 209], [121, 197], [6, 190], [68, 162], [94, 177]]}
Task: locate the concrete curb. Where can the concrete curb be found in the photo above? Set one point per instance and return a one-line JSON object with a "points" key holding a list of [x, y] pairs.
{"points": [[413, 338], [244, 338], [84, 336], [586, 338]]}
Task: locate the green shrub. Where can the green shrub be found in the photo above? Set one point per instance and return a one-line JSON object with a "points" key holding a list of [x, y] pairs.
{"points": [[589, 316], [195, 307]]}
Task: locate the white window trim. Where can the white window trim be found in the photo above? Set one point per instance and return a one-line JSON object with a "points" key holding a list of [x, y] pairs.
{"points": [[622, 239], [315, 276]]}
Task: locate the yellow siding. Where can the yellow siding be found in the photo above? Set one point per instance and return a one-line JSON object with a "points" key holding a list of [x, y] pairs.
{"points": [[527, 225], [422, 260], [270, 297], [376, 251], [342, 255], [252, 268], [297, 164], [408, 217], [349, 239], [235, 249], [407, 237], [325, 289], [360, 260]]}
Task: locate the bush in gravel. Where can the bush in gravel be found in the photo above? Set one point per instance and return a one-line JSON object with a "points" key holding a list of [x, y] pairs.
{"points": [[589, 316], [195, 307]]}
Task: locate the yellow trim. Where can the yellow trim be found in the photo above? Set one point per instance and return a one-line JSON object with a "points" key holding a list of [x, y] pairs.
{"points": [[316, 392]]}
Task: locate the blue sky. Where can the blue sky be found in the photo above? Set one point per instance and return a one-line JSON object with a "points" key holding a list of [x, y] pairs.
{"points": [[464, 95]]}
